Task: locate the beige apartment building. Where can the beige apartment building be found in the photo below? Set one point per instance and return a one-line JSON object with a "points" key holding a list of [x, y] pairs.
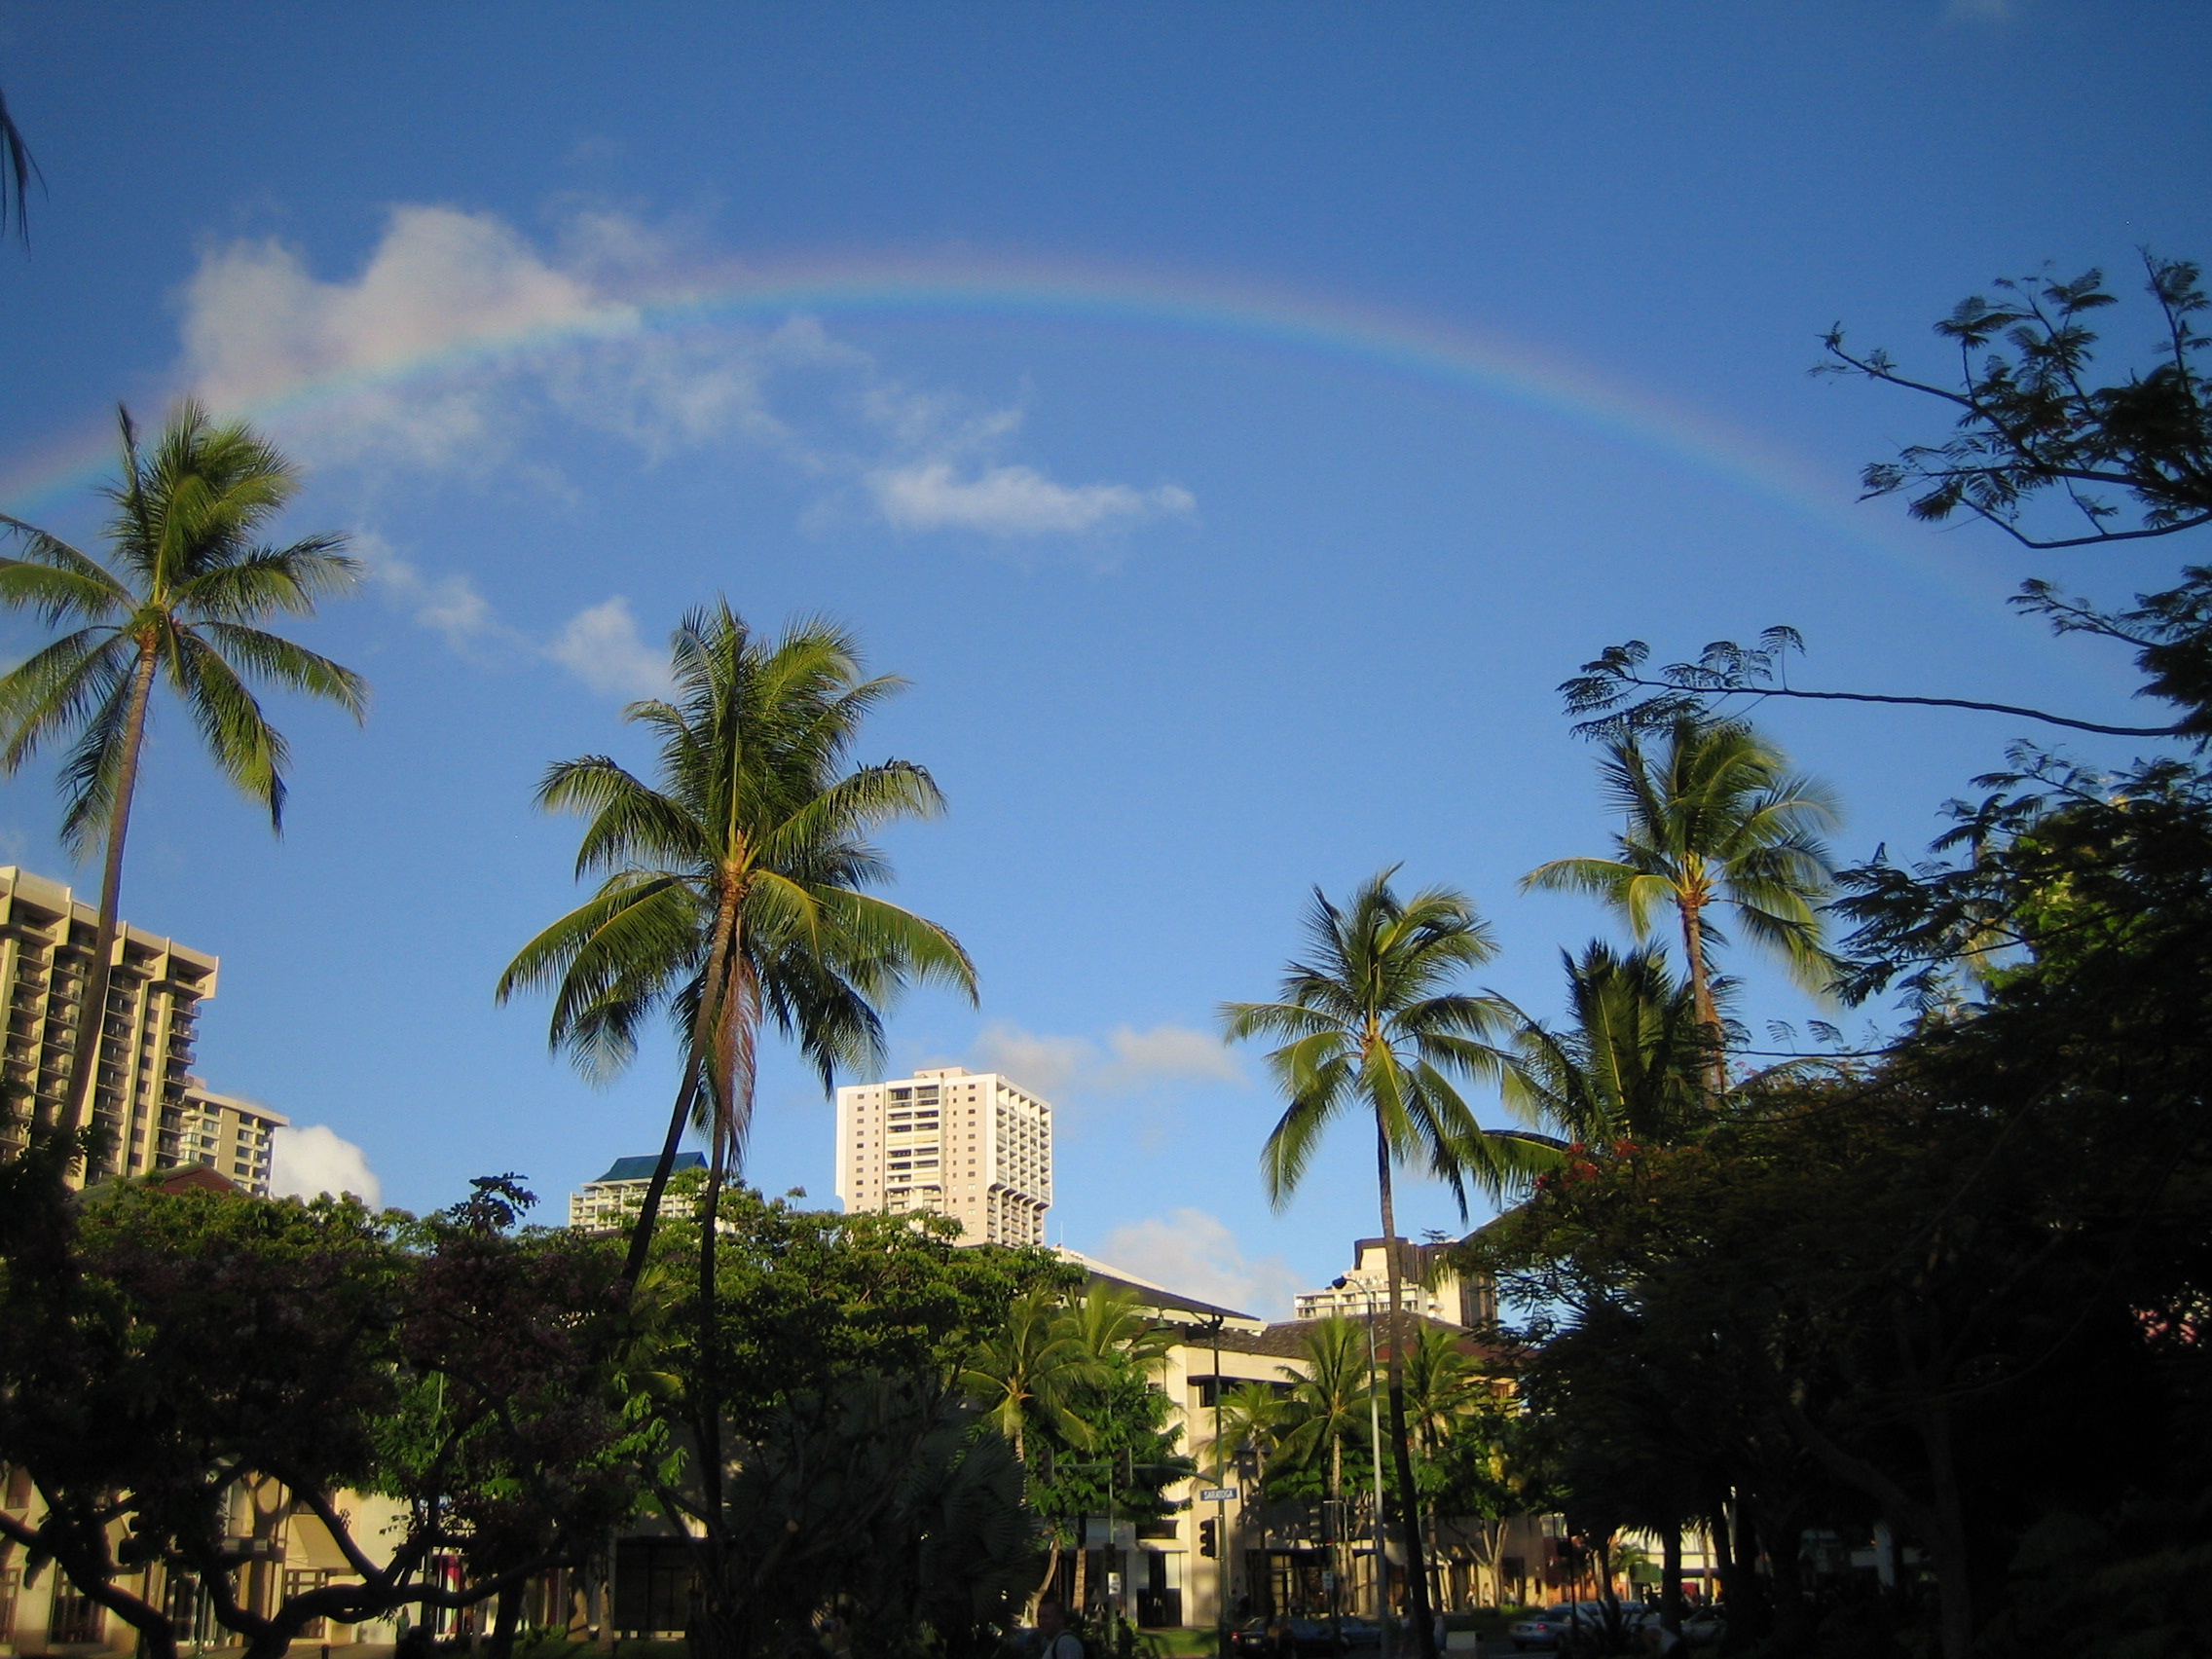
{"points": [[1428, 1286], [975, 1147], [1232, 1553], [158, 1115]]}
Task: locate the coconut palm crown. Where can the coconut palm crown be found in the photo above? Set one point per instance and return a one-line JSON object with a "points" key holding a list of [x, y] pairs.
{"points": [[1371, 1019], [1630, 1065], [735, 891], [178, 600], [1714, 823]]}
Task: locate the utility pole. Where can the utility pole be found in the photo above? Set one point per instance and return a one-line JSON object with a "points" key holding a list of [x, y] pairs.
{"points": [[1374, 1446], [1221, 1571]]}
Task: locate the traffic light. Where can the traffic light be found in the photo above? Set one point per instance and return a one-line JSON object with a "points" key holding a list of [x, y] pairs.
{"points": [[1124, 1468], [1208, 1540]]}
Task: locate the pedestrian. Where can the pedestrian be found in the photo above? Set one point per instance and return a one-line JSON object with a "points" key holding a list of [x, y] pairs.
{"points": [[1060, 1643]]}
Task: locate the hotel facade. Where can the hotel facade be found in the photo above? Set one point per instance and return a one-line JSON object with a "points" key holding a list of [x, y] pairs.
{"points": [[158, 1114], [973, 1146]]}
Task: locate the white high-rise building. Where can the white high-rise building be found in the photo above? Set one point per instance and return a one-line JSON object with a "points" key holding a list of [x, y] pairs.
{"points": [[977, 1148]]}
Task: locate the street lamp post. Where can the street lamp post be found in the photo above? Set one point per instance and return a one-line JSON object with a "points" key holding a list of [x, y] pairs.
{"points": [[1374, 1446], [1221, 1561]]}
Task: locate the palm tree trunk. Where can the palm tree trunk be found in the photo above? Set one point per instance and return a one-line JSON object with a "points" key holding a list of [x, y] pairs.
{"points": [[1701, 997], [91, 1014], [1337, 1535], [734, 1035], [1417, 1570], [687, 1097], [648, 1213]]}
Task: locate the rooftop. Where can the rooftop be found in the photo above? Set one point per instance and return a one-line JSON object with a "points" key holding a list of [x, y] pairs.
{"points": [[642, 1168]]}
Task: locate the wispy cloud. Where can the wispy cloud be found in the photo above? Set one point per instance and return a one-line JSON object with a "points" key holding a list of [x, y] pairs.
{"points": [[459, 340], [1191, 1251], [448, 605], [308, 1158], [602, 647], [1011, 501], [1128, 1062]]}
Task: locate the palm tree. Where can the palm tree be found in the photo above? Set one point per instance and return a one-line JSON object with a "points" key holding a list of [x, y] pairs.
{"points": [[1371, 1021], [735, 890], [734, 895], [1112, 1324], [1443, 1390], [185, 582], [1632, 1063], [1031, 1369], [1714, 821], [1327, 1401], [1253, 1417]]}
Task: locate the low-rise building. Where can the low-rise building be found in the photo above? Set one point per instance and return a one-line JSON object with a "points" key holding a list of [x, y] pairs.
{"points": [[1429, 1286]]}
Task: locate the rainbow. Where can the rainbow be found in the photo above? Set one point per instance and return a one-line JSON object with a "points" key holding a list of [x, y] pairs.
{"points": [[1367, 338]]}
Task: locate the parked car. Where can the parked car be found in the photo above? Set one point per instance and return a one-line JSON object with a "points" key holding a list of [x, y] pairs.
{"points": [[1557, 1625], [1704, 1625], [1252, 1638], [1359, 1631], [1309, 1636]]}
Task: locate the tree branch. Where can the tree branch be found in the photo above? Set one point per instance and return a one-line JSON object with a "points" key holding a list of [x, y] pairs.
{"points": [[1918, 702]]}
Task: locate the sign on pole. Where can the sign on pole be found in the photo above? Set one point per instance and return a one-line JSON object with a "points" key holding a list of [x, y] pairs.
{"points": [[1217, 1495]]}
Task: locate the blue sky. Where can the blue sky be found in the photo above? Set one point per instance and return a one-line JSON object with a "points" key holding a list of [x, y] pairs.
{"points": [[1060, 396]]}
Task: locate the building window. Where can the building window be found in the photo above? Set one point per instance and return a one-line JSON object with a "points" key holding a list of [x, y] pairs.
{"points": [[74, 1618]]}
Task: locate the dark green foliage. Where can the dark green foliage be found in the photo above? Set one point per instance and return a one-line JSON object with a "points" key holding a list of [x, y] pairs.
{"points": [[162, 1346], [882, 1502], [837, 1339]]}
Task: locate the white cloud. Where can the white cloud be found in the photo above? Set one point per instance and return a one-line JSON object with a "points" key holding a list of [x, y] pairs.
{"points": [[1042, 1063], [1130, 1062], [1011, 501], [602, 647], [1173, 1053], [310, 1158], [459, 340], [1191, 1251], [449, 605], [257, 323]]}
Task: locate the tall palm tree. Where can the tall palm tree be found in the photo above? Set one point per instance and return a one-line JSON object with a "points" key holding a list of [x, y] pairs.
{"points": [[735, 890], [1714, 820], [1373, 1022], [1632, 1063], [735, 893], [185, 582]]}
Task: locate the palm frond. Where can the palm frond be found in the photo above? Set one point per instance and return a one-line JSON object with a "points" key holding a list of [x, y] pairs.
{"points": [[291, 666], [248, 750], [50, 691]]}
